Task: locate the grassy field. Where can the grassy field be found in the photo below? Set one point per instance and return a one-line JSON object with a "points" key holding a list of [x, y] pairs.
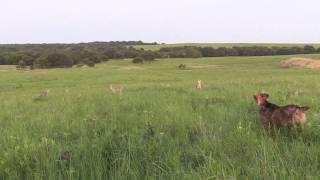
{"points": [[217, 45], [160, 127]]}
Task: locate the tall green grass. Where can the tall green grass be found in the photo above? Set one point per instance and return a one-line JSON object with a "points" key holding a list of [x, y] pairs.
{"points": [[160, 127]]}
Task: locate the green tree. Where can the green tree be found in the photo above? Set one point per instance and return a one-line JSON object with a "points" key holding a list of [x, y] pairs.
{"points": [[59, 60], [2, 60], [309, 49], [21, 65]]}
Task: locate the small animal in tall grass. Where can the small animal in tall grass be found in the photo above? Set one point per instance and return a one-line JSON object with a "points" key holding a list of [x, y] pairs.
{"points": [[200, 84], [273, 115], [182, 66], [66, 156], [116, 88], [44, 93]]}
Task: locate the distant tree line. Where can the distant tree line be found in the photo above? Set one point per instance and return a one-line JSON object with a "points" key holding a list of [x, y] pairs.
{"points": [[196, 52], [68, 55]]}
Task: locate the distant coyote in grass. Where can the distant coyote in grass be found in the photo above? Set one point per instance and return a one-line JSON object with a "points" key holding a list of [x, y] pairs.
{"points": [[116, 88], [44, 93], [273, 115], [199, 84]]}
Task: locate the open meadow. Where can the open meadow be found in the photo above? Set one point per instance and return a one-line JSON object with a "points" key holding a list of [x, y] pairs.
{"points": [[160, 126]]}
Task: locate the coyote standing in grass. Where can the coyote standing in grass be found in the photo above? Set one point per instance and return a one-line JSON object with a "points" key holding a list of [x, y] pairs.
{"points": [[44, 93], [273, 115], [116, 88], [199, 84]]}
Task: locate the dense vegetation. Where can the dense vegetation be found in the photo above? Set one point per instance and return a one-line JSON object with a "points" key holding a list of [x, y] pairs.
{"points": [[194, 52], [157, 47], [160, 127], [67, 55]]}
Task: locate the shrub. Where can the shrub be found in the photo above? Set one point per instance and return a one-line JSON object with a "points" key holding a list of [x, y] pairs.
{"points": [[182, 66], [309, 49], [90, 63], [21, 65], [138, 60], [59, 60]]}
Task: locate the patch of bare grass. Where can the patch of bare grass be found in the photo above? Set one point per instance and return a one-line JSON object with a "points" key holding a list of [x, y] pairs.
{"points": [[302, 62], [132, 68], [202, 66]]}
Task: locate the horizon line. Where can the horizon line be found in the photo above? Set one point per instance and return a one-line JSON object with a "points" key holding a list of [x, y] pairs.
{"points": [[158, 43]]}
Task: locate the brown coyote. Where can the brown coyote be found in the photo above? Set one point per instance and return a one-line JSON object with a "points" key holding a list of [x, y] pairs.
{"points": [[273, 115], [199, 84], [116, 88], [44, 93]]}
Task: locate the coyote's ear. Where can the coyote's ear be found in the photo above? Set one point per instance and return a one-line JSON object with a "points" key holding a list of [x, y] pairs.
{"points": [[255, 98], [265, 94], [305, 108]]}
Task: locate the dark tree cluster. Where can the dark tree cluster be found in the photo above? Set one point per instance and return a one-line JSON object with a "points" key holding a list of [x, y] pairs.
{"points": [[195, 52], [180, 52], [67, 55]]}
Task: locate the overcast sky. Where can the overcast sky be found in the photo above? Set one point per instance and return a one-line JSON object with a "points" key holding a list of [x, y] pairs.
{"points": [[170, 21]]}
